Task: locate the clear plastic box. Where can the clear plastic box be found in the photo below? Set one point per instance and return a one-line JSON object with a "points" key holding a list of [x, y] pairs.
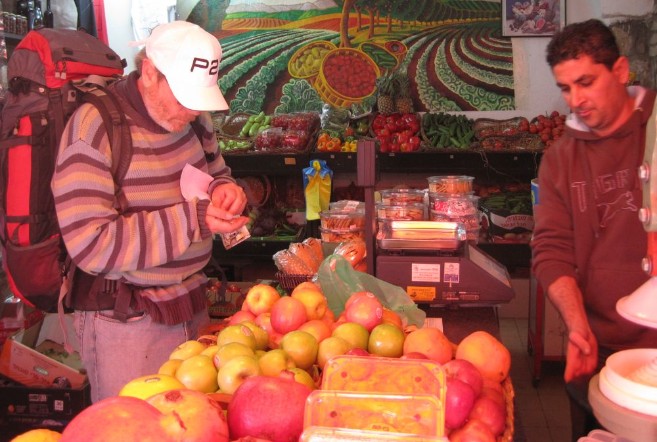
{"points": [[322, 434], [382, 375], [451, 184], [401, 196], [420, 414]]}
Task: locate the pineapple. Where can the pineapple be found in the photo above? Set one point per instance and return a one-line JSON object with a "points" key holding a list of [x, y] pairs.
{"points": [[385, 94], [403, 100]]}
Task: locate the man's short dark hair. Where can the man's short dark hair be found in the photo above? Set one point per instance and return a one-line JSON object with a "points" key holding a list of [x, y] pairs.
{"points": [[591, 37]]}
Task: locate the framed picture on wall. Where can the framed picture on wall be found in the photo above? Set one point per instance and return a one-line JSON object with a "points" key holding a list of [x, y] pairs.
{"points": [[532, 18]]}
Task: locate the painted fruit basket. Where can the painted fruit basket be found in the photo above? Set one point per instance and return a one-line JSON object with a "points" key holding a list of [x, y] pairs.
{"points": [[347, 76], [307, 60]]}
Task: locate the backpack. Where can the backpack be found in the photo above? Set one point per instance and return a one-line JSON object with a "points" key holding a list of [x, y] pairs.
{"points": [[51, 73]]}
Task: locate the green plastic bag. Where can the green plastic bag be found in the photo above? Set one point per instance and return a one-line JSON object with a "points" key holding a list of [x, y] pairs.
{"points": [[339, 281]]}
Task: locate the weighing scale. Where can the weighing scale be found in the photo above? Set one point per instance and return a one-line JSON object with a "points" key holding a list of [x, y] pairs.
{"points": [[436, 265]]}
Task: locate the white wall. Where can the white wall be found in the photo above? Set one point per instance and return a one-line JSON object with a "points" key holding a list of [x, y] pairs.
{"points": [[535, 89]]}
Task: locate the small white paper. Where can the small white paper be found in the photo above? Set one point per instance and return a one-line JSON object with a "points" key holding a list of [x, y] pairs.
{"points": [[194, 183]]}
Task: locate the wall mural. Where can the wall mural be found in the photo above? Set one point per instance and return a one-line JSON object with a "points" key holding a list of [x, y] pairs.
{"points": [[288, 56]]}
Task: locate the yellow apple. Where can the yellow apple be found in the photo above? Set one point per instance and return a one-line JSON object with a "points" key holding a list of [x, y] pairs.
{"points": [[261, 336], [234, 372], [260, 298], [275, 361], [329, 347], [237, 333], [228, 351], [198, 373], [313, 300], [354, 333], [210, 350], [170, 366], [146, 386], [303, 377], [302, 348], [187, 349]]}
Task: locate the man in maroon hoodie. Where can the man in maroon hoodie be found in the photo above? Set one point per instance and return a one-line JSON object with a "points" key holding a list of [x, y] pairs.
{"points": [[588, 241]]}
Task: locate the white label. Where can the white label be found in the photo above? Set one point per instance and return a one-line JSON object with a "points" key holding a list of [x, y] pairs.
{"points": [[425, 272], [452, 272]]}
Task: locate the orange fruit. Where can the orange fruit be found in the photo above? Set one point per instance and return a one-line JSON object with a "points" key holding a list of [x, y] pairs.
{"points": [[431, 342], [392, 317], [486, 353]]}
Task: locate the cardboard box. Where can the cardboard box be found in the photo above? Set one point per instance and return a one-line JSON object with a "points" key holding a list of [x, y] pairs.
{"points": [[36, 357], [24, 408], [15, 315]]}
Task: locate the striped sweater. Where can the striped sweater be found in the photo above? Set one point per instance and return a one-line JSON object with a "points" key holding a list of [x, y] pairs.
{"points": [[157, 241]]}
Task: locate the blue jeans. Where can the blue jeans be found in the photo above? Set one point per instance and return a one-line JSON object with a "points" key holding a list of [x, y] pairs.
{"points": [[115, 352]]}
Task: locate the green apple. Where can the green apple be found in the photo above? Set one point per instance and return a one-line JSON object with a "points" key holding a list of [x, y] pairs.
{"points": [[275, 361], [329, 347], [261, 336], [187, 349], [386, 340], [228, 351], [234, 372], [301, 346], [354, 333], [198, 373], [237, 333]]}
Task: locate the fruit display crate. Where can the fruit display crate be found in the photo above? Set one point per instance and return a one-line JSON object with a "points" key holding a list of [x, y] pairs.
{"points": [[24, 408]]}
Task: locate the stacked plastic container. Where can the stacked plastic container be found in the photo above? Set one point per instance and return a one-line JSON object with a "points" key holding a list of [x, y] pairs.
{"points": [[452, 199], [365, 399], [343, 221], [401, 205]]}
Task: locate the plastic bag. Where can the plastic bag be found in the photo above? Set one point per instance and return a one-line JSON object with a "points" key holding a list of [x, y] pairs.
{"points": [[339, 281], [317, 188]]}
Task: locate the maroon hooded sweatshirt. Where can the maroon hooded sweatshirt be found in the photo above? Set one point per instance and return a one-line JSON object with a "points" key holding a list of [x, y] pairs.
{"points": [[587, 225]]}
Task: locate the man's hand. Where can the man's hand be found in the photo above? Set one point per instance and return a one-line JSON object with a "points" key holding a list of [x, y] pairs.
{"points": [[229, 197], [224, 213], [581, 355]]}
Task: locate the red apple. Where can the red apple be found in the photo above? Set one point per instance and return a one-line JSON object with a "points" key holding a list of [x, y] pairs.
{"points": [[270, 408], [260, 298], [459, 400], [413, 355], [473, 431], [366, 310], [287, 314], [241, 316], [466, 372], [356, 351], [135, 419], [203, 418], [491, 413]]}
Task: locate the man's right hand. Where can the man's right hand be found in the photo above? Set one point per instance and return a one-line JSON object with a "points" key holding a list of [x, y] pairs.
{"points": [[581, 355]]}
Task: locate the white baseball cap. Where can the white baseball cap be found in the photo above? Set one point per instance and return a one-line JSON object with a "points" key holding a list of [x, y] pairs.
{"points": [[188, 57]]}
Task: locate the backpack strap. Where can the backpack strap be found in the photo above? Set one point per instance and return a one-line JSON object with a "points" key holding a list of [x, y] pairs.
{"points": [[117, 128]]}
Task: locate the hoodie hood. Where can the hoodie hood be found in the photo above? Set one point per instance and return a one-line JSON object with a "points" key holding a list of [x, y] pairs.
{"points": [[644, 100]]}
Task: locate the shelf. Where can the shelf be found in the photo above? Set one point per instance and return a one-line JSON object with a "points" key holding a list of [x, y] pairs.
{"points": [[517, 163]]}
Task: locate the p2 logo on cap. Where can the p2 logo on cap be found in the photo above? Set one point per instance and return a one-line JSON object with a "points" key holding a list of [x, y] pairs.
{"points": [[202, 63]]}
